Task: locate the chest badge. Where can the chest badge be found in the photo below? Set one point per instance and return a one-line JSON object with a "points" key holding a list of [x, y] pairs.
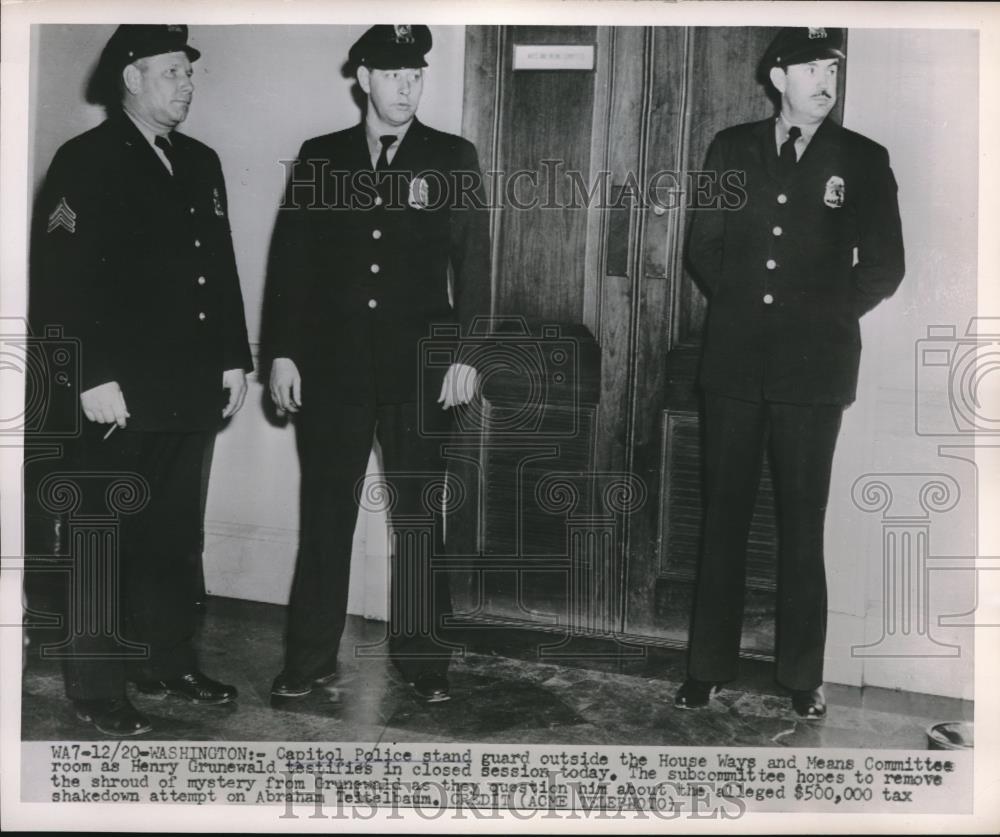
{"points": [[62, 216], [419, 197], [834, 196], [217, 202]]}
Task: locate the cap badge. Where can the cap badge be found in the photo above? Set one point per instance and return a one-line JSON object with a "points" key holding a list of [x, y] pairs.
{"points": [[62, 216], [404, 34], [217, 201], [419, 197], [834, 196], [816, 32]]}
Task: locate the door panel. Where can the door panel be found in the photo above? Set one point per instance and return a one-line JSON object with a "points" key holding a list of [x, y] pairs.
{"points": [[545, 120]]}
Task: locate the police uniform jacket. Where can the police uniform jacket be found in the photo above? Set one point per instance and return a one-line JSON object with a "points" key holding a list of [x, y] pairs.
{"points": [[138, 266], [790, 267], [360, 270]]}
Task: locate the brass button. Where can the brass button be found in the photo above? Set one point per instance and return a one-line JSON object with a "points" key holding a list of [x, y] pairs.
{"points": [[375, 268], [777, 231], [782, 198], [768, 299], [771, 264], [372, 303], [376, 234]]}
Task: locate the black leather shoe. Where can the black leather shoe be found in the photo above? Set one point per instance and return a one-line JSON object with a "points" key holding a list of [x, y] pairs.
{"points": [[694, 694], [195, 687], [112, 716], [291, 686], [431, 687], [809, 703]]}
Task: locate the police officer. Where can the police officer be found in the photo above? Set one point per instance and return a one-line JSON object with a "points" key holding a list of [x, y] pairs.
{"points": [[132, 257], [374, 218], [789, 272]]}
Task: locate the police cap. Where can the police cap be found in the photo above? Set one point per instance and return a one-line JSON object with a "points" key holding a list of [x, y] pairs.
{"points": [[131, 41], [802, 44], [386, 47]]}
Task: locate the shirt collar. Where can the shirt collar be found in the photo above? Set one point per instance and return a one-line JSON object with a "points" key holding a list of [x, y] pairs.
{"points": [[782, 126], [375, 144], [149, 134]]}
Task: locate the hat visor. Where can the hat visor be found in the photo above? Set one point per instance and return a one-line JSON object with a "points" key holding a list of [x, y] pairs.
{"points": [[805, 56], [191, 53], [395, 59], [395, 65]]}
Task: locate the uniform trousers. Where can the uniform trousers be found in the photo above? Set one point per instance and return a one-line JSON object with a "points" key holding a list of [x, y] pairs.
{"points": [[801, 439], [130, 604], [335, 442]]}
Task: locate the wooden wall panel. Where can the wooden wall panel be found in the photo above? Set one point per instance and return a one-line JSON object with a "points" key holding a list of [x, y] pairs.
{"points": [[627, 78], [546, 115]]}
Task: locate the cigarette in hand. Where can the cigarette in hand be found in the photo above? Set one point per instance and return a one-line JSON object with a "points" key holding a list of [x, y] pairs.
{"points": [[110, 430]]}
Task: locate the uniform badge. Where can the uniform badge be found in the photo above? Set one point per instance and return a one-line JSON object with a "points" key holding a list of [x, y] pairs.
{"points": [[816, 32], [834, 196], [404, 33], [419, 193], [217, 202], [62, 216]]}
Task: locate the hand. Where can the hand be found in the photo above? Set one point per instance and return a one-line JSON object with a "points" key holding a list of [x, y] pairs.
{"points": [[459, 386], [105, 404], [286, 385], [235, 380]]}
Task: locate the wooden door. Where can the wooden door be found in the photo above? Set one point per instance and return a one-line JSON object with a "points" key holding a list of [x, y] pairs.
{"points": [[644, 114]]}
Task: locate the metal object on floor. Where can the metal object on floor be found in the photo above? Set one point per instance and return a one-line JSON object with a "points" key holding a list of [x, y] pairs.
{"points": [[950, 735]]}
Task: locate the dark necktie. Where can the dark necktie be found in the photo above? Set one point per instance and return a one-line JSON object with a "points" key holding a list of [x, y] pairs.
{"points": [[167, 147], [787, 153], [383, 158]]}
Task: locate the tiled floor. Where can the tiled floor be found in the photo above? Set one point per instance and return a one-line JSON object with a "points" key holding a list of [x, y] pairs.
{"points": [[501, 693]]}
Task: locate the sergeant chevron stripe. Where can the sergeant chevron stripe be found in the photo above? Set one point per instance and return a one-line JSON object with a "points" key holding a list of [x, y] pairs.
{"points": [[62, 216]]}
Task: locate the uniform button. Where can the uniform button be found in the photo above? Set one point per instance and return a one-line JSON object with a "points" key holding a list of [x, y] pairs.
{"points": [[197, 243], [201, 315], [768, 299], [201, 280], [191, 210], [771, 264], [378, 201], [376, 234], [777, 231], [782, 198], [372, 303], [375, 268]]}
